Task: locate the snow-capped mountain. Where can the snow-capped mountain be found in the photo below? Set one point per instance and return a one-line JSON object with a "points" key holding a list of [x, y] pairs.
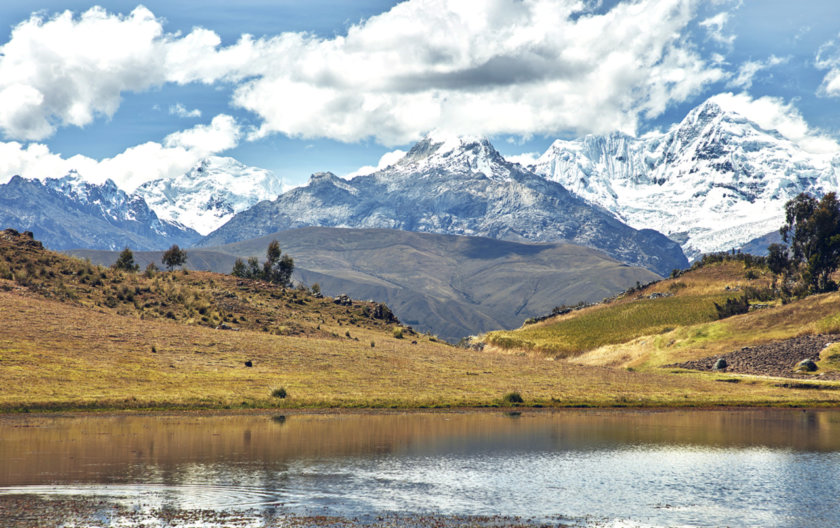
{"points": [[69, 212], [210, 193], [460, 186], [713, 182]]}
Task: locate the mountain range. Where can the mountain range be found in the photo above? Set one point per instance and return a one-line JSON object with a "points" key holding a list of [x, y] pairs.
{"points": [[69, 212], [460, 186], [714, 182]]}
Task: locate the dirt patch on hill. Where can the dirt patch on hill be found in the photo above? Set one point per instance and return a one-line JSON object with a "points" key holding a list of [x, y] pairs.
{"points": [[778, 358]]}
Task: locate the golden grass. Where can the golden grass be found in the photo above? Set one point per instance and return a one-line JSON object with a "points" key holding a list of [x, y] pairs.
{"points": [[54, 356]]}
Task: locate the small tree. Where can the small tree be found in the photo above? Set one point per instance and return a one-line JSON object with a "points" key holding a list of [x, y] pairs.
{"points": [[239, 269], [174, 257], [277, 268], [126, 262]]}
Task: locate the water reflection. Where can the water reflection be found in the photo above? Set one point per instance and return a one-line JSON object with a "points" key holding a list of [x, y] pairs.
{"points": [[770, 467]]}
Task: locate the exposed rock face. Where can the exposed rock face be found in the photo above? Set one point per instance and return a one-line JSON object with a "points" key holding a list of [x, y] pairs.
{"points": [[713, 182], [459, 186], [68, 212]]}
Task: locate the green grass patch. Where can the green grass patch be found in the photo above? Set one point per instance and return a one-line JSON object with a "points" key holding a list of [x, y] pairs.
{"points": [[610, 324]]}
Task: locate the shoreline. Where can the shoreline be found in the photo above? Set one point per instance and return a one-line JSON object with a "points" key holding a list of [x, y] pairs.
{"points": [[364, 411]]}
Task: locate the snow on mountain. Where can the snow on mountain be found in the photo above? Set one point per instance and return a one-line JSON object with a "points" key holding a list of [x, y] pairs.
{"points": [[454, 185], [713, 182], [69, 212], [210, 194]]}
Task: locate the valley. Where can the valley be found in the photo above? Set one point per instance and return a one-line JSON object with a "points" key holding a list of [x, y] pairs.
{"points": [[451, 286]]}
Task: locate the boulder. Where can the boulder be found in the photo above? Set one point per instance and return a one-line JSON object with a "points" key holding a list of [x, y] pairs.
{"points": [[806, 365], [721, 364]]}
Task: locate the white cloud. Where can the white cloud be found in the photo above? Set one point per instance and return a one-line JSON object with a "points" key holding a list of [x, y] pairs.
{"points": [[68, 70], [749, 69], [180, 110], [524, 159], [772, 113], [387, 159], [485, 67], [714, 27], [489, 68], [223, 133], [129, 169], [828, 58]]}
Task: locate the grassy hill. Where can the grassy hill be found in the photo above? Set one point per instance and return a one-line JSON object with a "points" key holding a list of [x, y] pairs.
{"points": [[452, 286], [79, 336], [675, 320]]}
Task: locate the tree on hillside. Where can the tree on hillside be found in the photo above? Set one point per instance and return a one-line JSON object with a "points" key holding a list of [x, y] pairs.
{"points": [[174, 257], [277, 267], [126, 262], [812, 228]]}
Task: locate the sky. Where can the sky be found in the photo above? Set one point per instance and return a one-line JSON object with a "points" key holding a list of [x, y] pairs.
{"points": [[135, 92]]}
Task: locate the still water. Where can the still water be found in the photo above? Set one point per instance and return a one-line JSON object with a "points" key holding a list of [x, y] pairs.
{"points": [[581, 468]]}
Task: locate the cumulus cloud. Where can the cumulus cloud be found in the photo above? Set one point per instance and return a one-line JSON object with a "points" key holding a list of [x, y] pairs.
{"points": [[773, 113], [223, 133], [129, 169], [828, 58], [498, 67], [489, 67], [180, 110], [67, 70], [387, 159], [749, 69]]}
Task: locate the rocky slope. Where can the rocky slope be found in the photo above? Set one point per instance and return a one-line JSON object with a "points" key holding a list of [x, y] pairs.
{"points": [[70, 213], [459, 186], [713, 182]]}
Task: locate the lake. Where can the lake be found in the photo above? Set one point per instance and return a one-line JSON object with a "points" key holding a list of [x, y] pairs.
{"points": [[611, 468]]}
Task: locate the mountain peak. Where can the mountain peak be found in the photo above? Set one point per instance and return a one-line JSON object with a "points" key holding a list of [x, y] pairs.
{"points": [[455, 154], [209, 194], [442, 144], [713, 182]]}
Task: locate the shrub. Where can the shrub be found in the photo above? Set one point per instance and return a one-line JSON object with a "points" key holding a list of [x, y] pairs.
{"points": [[733, 306], [277, 268], [279, 392], [513, 397], [398, 332]]}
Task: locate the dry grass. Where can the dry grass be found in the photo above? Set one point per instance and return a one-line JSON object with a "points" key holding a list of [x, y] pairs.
{"points": [[65, 345], [57, 356]]}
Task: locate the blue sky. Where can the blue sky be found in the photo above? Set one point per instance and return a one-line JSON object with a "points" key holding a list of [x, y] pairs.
{"points": [[136, 91]]}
